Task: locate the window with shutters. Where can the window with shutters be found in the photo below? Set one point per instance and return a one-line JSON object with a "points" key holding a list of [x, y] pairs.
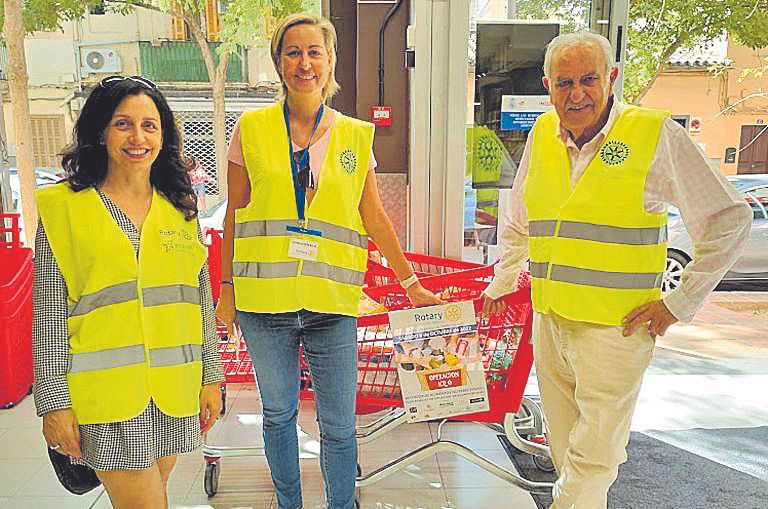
{"points": [[212, 20], [196, 128], [48, 140]]}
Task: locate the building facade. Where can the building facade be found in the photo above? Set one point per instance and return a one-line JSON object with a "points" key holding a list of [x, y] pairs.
{"points": [[725, 112]]}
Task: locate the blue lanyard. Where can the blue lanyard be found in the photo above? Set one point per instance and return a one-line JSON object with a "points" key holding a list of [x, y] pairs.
{"points": [[298, 190]]}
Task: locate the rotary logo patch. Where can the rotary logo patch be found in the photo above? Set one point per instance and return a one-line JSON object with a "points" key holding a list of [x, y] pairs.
{"points": [[614, 152], [348, 161], [487, 153], [453, 313]]}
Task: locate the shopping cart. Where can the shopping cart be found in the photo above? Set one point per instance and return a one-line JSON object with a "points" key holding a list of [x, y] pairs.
{"points": [[378, 274], [507, 358]]}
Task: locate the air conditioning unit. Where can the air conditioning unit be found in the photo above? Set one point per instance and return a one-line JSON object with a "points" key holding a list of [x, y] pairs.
{"points": [[101, 60]]}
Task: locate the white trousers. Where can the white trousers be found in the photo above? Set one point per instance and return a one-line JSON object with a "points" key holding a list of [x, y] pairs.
{"points": [[589, 377]]}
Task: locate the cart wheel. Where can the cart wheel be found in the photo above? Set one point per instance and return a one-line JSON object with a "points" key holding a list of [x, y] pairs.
{"points": [[223, 400], [357, 504], [544, 464], [211, 478]]}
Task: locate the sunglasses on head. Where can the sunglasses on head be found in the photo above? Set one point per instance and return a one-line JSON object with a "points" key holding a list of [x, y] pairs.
{"points": [[110, 80], [304, 177]]}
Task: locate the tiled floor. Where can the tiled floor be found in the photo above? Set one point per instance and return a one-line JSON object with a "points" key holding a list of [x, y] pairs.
{"points": [[443, 481], [709, 373]]}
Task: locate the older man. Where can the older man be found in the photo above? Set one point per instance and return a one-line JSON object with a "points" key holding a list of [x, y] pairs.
{"points": [[590, 212]]}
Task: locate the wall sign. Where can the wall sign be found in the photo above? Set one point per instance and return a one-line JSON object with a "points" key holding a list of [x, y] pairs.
{"points": [[381, 115], [519, 112]]}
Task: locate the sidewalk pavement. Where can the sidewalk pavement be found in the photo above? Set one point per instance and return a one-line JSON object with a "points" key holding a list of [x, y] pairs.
{"points": [[730, 325]]}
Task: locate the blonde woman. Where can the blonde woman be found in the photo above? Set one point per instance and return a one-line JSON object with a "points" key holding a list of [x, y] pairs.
{"points": [[302, 202]]}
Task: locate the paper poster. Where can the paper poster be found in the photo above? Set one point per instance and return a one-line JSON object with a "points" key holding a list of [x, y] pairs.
{"points": [[519, 112], [439, 361]]}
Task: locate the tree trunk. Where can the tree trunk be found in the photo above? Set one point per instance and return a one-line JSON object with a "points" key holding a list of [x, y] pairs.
{"points": [[219, 121], [22, 125], [217, 74]]}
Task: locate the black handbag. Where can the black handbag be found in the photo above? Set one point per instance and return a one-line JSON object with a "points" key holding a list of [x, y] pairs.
{"points": [[77, 479]]}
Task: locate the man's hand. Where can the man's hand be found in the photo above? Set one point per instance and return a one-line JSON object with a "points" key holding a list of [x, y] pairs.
{"points": [[420, 296], [210, 405], [655, 314], [491, 306], [61, 432], [225, 309]]}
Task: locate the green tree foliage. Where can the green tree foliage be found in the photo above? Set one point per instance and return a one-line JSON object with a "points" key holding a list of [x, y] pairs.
{"points": [[250, 22], [573, 14], [48, 14], [658, 28]]}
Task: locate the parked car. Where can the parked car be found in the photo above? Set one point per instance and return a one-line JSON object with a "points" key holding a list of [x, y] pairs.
{"points": [[752, 265], [214, 216], [42, 177]]}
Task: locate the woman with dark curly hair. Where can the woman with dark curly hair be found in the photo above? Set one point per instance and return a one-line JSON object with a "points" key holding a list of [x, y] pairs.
{"points": [[126, 368]]}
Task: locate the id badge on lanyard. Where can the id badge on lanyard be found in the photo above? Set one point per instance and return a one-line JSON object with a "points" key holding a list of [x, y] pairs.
{"points": [[300, 246]]}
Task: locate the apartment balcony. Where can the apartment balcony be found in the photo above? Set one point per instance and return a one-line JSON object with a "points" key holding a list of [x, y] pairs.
{"points": [[181, 61]]}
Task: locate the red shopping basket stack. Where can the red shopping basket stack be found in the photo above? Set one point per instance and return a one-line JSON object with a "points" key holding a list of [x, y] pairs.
{"points": [[15, 313]]}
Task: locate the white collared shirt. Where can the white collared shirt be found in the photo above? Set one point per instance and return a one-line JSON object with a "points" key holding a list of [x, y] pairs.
{"points": [[715, 215]]}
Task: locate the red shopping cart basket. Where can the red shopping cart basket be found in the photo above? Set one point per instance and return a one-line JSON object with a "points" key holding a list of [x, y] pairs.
{"points": [[507, 357], [378, 274], [451, 287]]}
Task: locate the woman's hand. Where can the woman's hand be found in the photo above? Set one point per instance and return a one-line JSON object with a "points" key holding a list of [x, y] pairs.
{"points": [[61, 432], [225, 309], [420, 296], [210, 405]]}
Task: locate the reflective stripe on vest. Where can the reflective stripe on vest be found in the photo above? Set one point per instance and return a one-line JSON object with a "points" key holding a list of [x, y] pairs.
{"points": [[338, 274], [263, 228], [265, 270], [170, 294], [106, 359], [542, 228], [134, 354], [115, 294], [603, 279], [277, 227], [538, 269], [173, 355], [600, 232]]}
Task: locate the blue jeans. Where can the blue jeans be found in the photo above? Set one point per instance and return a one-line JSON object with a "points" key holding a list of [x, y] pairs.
{"points": [[330, 346]]}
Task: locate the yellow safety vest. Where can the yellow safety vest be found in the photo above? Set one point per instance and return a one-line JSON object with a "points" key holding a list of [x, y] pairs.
{"points": [[595, 253], [266, 279], [135, 327]]}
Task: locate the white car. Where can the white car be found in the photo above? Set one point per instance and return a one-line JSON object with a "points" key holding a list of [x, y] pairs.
{"points": [[752, 266], [214, 216], [43, 178]]}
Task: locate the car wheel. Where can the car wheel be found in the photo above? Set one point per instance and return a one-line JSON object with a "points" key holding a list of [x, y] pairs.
{"points": [[676, 262]]}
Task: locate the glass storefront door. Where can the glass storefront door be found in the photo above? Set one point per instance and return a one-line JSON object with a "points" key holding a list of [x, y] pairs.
{"points": [[500, 46]]}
